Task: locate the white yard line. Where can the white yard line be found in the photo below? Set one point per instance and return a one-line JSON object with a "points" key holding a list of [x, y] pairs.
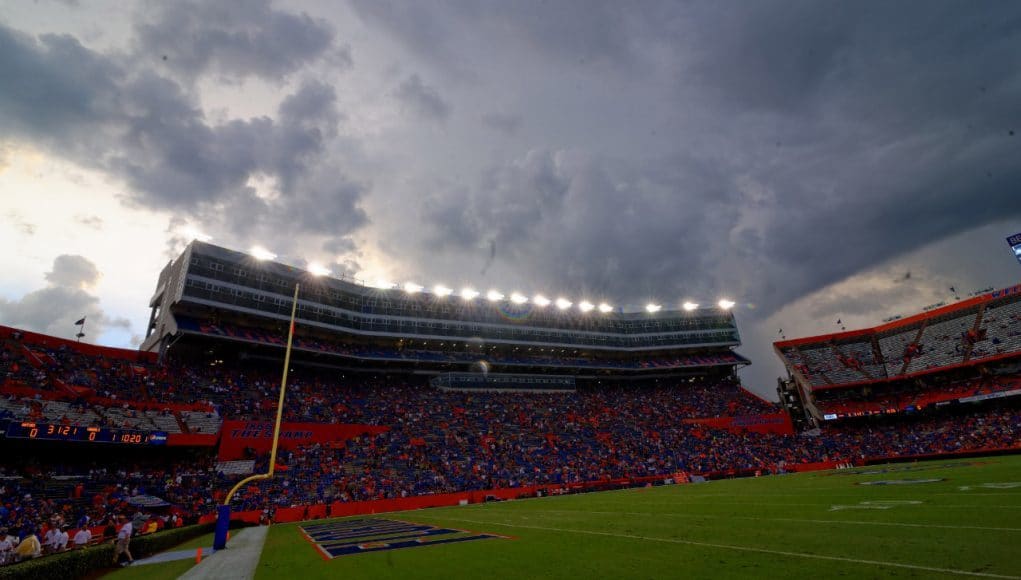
{"points": [[747, 549], [794, 520]]}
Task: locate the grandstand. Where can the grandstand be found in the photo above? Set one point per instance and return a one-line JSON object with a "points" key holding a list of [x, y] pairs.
{"points": [[212, 295], [963, 351]]}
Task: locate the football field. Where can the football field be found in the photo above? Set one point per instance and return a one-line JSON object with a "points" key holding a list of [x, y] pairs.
{"points": [[941, 519]]}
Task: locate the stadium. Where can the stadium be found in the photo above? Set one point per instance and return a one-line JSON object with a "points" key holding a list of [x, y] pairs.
{"points": [[498, 413], [514, 290]]}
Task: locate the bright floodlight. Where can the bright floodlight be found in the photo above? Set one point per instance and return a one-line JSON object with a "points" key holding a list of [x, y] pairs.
{"points": [[317, 269], [604, 308], [689, 306], [441, 290], [412, 288], [726, 304], [540, 300], [493, 296], [383, 284], [191, 232], [586, 306], [469, 293], [261, 253], [563, 303], [653, 307], [518, 298]]}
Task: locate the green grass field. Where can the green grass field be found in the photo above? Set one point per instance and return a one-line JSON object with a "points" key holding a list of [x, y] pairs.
{"points": [[824, 524]]}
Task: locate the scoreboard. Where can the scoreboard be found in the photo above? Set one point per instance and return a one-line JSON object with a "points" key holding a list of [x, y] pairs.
{"points": [[1015, 244], [51, 432]]}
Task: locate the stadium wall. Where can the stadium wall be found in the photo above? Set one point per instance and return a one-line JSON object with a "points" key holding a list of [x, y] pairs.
{"points": [[237, 436]]}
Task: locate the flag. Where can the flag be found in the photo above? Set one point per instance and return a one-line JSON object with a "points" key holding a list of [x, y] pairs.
{"points": [[80, 321]]}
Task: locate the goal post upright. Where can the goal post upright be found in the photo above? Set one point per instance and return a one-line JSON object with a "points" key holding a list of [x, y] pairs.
{"points": [[223, 511]]}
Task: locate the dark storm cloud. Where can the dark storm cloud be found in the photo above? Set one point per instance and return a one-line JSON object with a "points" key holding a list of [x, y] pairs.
{"points": [[819, 138], [582, 223], [149, 131], [54, 308], [233, 39], [422, 99]]}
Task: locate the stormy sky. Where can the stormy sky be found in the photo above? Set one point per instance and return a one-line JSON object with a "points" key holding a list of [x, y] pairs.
{"points": [[798, 157]]}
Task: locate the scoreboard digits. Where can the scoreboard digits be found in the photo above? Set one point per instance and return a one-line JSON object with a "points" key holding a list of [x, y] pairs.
{"points": [[50, 432]]}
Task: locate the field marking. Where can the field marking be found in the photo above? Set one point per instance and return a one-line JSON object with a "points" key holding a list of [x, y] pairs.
{"points": [[750, 549], [793, 520]]}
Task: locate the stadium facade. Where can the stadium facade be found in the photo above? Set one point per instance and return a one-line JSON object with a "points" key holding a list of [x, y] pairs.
{"points": [[210, 293]]}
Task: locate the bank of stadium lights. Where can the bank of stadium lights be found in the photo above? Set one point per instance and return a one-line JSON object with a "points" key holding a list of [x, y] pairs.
{"points": [[650, 307], [726, 304], [469, 293], [540, 301], [563, 303], [441, 290], [586, 306], [494, 296], [317, 269], [517, 298], [689, 306], [262, 254], [412, 288], [604, 308]]}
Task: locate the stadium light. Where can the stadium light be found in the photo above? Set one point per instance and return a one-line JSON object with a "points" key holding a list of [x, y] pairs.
{"points": [[689, 306], [518, 298], [604, 308], [317, 269], [586, 306], [563, 303], [726, 304], [650, 307], [191, 232], [469, 293], [441, 290], [494, 296], [262, 254], [383, 284], [540, 300], [412, 288]]}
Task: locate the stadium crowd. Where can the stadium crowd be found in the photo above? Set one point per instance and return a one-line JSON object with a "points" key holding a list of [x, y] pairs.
{"points": [[437, 441]]}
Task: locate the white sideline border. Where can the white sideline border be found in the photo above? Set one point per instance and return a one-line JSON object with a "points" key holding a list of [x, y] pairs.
{"points": [[748, 549]]}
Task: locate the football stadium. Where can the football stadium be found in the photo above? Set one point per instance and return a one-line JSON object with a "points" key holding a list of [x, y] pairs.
{"points": [[432, 432], [510, 289]]}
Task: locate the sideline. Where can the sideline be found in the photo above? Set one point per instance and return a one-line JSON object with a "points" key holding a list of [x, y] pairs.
{"points": [[237, 562], [750, 549]]}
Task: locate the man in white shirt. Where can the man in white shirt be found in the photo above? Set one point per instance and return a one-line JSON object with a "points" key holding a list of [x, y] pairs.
{"points": [[49, 539], [6, 547], [123, 541], [60, 540], [82, 538]]}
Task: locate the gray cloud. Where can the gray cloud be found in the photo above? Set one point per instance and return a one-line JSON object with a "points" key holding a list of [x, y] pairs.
{"points": [[422, 99], [147, 130], [73, 272], [90, 221], [233, 39], [503, 122], [54, 308]]}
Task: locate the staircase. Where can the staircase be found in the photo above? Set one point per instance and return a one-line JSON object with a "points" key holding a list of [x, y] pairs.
{"points": [[918, 337], [975, 328]]}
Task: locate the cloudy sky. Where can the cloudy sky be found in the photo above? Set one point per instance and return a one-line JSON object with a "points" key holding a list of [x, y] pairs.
{"points": [[799, 157]]}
